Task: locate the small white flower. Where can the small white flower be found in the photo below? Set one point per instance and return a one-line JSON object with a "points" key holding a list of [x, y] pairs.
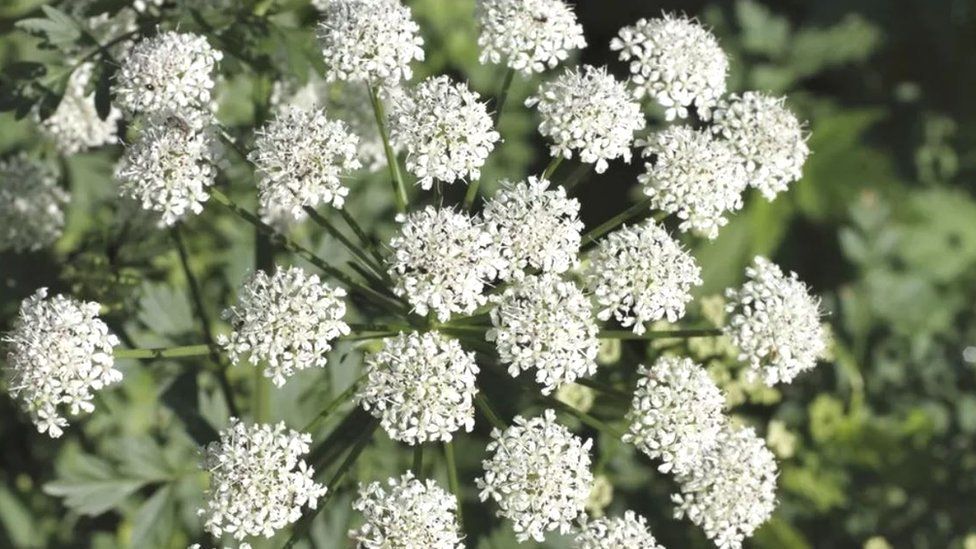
{"points": [[31, 204], [441, 262], [627, 532], [407, 513], [775, 323], [538, 474], [676, 61], [60, 354], [421, 387], [372, 41], [641, 274], [75, 126], [259, 481], [528, 35], [533, 227], [676, 414], [732, 491], [289, 320], [445, 129], [590, 112], [547, 324], [695, 176], [768, 137]]}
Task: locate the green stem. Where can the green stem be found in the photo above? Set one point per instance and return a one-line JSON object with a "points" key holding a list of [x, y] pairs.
{"points": [[321, 221], [262, 391], [170, 352], [585, 418], [482, 403], [472, 194], [361, 234], [418, 461], [399, 190], [334, 405], [603, 388], [660, 334], [452, 480], [552, 167], [615, 221], [370, 335], [576, 177]]}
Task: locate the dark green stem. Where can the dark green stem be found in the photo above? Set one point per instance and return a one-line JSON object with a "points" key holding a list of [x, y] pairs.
{"points": [[452, 480], [399, 190], [482, 403], [615, 221], [321, 221], [418, 461], [334, 405], [170, 352], [552, 167], [660, 334], [472, 194]]}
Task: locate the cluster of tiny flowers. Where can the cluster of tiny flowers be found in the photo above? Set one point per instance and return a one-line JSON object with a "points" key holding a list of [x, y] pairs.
{"points": [[694, 176], [75, 125], [528, 35], [768, 137], [288, 320], [300, 158], [732, 491], [533, 227], [259, 481], [676, 415], [775, 323], [627, 532], [441, 262], [407, 513], [591, 112], [168, 170], [641, 274], [60, 353], [421, 387], [369, 40], [545, 323], [676, 61], [446, 131], [538, 474], [31, 204]]}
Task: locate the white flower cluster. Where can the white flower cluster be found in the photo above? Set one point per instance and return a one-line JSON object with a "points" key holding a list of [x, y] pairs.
{"points": [[259, 481], [676, 414], [407, 514], [421, 387], [676, 61], [775, 323], [768, 137], [31, 204], [538, 474], [641, 274], [441, 262], [545, 323], [533, 227], [695, 176], [445, 129], [591, 112], [60, 353], [733, 489], [528, 35], [372, 41], [289, 320], [627, 532], [300, 158], [75, 125]]}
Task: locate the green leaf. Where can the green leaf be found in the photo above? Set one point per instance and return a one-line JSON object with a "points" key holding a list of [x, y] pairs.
{"points": [[103, 90], [153, 522], [16, 520], [58, 29], [90, 486], [165, 310]]}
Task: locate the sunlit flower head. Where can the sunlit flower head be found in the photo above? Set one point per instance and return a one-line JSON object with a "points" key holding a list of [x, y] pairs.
{"points": [[627, 532], [528, 35], [407, 513], [75, 125]]}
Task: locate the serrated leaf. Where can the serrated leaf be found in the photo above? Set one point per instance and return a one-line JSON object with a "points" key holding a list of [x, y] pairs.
{"points": [[143, 458], [165, 310], [16, 520], [90, 486], [58, 29], [154, 520]]}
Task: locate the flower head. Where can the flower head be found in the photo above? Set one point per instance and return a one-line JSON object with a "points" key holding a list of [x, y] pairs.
{"points": [[288, 320], [259, 481], [60, 353], [627, 532], [421, 387], [31, 204], [75, 125], [407, 513], [547, 324], [767, 136], [538, 474], [641, 274], [775, 323], [590, 112], [533, 227], [676, 61], [695, 176], [369, 41], [445, 129], [528, 35]]}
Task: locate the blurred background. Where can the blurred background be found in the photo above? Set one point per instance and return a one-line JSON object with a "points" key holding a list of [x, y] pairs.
{"points": [[877, 447]]}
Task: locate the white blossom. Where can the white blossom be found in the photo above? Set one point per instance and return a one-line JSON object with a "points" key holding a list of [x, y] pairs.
{"points": [[407, 513], [31, 204], [75, 125], [641, 274], [627, 532], [445, 129], [545, 323], [775, 323], [421, 387], [589, 111], [59, 354], [528, 35], [676, 61], [538, 474]]}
